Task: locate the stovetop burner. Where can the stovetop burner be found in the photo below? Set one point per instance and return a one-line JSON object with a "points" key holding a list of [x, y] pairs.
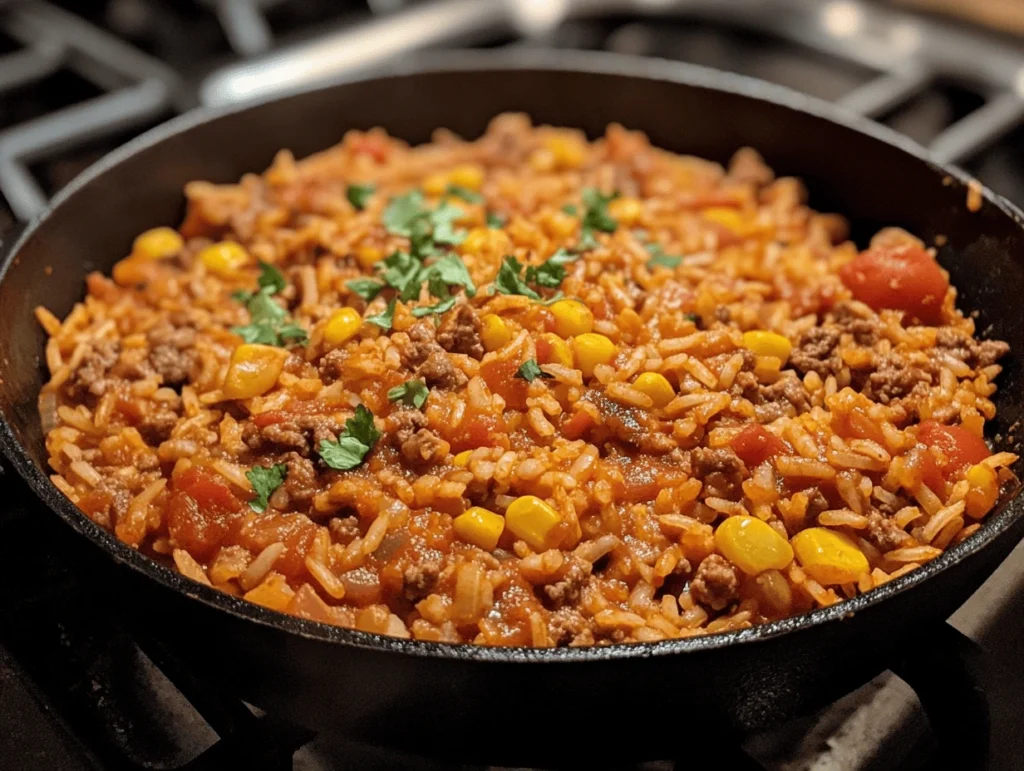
{"points": [[79, 687]]}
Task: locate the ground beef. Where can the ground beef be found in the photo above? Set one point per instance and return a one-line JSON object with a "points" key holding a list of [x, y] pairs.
{"points": [[974, 353], [300, 483], [344, 530], [420, 577], [332, 364], [894, 380], [721, 471], [785, 397], [408, 433], [439, 372], [815, 352], [816, 503], [90, 376], [715, 585], [883, 533], [301, 433], [156, 425], [567, 626], [566, 591], [171, 354], [865, 330], [460, 332]]}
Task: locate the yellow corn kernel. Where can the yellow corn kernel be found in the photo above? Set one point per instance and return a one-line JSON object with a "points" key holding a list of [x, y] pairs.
{"points": [[656, 386], [479, 527], [342, 326], [730, 218], [984, 490], [435, 184], [764, 343], [591, 349], [462, 459], [467, 175], [766, 368], [568, 151], [626, 211], [542, 160], [494, 332], [829, 557], [572, 318], [157, 244], [273, 593], [530, 519], [558, 224], [752, 545], [253, 371], [224, 258], [551, 349], [368, 256], [488, 243]]}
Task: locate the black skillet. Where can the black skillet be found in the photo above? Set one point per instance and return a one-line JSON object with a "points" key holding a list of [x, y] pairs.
{"points": [[520, 705]]}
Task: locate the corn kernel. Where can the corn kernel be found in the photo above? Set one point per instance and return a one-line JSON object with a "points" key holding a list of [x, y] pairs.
{"points": [[829, 557], [530, 519], [488, 243], [342, 326], [767, 368], [542, 160], [551, 349], [558, 224], [368, 256], [730, 218], [273, 593], [572, 318], [764, 343], [568, 151], [157, 244], [435, 184], [224, 258], [656, 386], [591, 349], [479, 527], [752, 545], [626, 211], [253, 371], [467, 175], [462, 459], [494, 332], [984, 490]]}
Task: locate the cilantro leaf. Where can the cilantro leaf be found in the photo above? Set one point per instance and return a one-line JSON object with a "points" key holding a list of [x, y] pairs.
{"points": [[550, 273], [570, 209], [407, 216], [292, 332], [412, 393], [659, 257], [268, 321], [264, 482], [529, 371], [443, 221], [271, 278], [467, 195], [402, 272], [354, 443], [508, 281], [442, 307], [452, 271], [367, 288], [263, 334], [385, 318], [403, 212], [359, 195], [495, 220], [692, 317], [596, 216]]}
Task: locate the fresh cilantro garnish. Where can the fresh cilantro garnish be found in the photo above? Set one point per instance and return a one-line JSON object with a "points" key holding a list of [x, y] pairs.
{"points": [[354, 442], [385, 318], [551, 272], [467, 195], [402, 213], [495, 220], [570, 209], [268, 321], [367, 288], [264, 482], [442, 307], [359, 195], [596, 217], [412, 393], [508, 280], [451, 270], [530, 371], [658, 257], [408, 216], [443, 221], [692, 317]]}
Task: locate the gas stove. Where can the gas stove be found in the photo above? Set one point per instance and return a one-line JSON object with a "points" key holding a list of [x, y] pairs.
{"points": [[80, 688]]}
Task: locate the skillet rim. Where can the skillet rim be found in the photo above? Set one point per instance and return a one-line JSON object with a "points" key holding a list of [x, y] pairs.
{"points": [[586, 62]]}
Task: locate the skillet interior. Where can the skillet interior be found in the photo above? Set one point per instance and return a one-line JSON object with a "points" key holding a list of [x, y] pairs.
{"points": [[850, 166]]}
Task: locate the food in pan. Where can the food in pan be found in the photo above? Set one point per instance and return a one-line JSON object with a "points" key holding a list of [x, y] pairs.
{"points": [[524, 390]]}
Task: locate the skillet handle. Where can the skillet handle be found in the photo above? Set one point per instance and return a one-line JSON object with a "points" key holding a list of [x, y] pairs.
{"points": [[974, 702]]}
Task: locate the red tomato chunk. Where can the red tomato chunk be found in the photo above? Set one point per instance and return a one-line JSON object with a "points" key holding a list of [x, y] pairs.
{"points": [[201, 511], [756, 444], [960, 446], [903, 277]]}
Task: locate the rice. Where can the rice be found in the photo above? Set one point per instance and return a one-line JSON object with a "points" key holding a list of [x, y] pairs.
{"points": [[478, 410]]}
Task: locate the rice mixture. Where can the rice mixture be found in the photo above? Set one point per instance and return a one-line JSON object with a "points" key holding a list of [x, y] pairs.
{"points": [[525, 390]]}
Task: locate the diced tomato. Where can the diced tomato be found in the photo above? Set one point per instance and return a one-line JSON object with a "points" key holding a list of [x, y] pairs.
{"points": [[476, 431], [543, 350], [264, 419], [756, 444], [960, 446], [295, 531], [500, 376], [902, 277], [577, 425], [931, 474], [644, 478], [201, 511], [373, 145], [857, 424], [130, 409]]}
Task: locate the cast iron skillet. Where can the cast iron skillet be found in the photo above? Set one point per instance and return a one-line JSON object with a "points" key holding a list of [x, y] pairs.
{"points": [[519, 705]]}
